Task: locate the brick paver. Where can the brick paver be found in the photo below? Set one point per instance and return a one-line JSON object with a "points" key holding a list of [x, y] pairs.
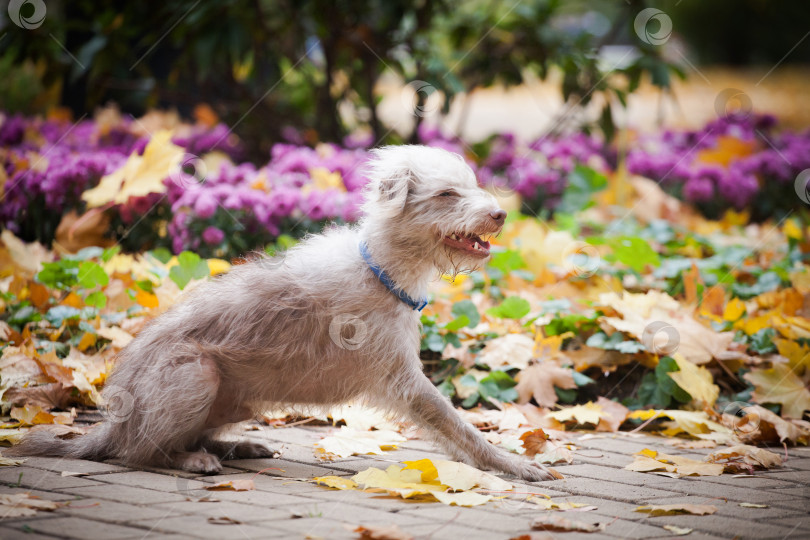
{"points": [[111, 501]]}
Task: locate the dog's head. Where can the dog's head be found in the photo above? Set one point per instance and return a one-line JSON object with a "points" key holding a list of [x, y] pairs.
{"points": [[428, 200]]}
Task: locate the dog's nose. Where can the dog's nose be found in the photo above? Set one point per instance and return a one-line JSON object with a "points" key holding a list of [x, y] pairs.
{"points": [[498, 215]]}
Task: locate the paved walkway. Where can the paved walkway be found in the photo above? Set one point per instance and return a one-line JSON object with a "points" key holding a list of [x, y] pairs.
{"points": [[110, 501]]}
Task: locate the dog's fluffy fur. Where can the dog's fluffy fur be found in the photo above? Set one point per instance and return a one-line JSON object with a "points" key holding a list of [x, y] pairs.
{"points": [[312, 327]]}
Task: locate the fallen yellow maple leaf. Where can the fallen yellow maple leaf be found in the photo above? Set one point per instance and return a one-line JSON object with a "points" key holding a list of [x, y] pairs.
{"points": [[348, 442], [448, 482], [233, 485], [780, 384], [734, 310], [695, 380], [30, 416], [589, 413], [650, 460], [337, 482], [695, 423], [798, 354], [396, 481], [457, 476], [140, 175]]}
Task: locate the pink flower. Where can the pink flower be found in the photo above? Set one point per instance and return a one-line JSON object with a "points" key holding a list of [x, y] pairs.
{"points": [[213, 236], [206, 205]]}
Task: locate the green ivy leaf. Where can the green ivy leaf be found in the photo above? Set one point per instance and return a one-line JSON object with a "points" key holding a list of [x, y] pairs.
{"points": [[468, 309], [161, 254], [97, 299], [506, 261], [762, 341], [583, 182], [61, 274], [458, 322], [110, 253], [634, 252], [189, 266], [58, 314], [513, 307], [91, 274]]}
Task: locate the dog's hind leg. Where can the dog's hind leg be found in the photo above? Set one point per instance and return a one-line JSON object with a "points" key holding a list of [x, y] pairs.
{"points": [[190, 393], [224, 412], [238, 449]]}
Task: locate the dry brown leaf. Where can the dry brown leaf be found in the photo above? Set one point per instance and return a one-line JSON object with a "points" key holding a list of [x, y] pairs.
{"points": [[613, 414], [514, 350], [538, 381], [586, 357], [76, 232], [561, 524], [760, 425], [641, 312], [223, 520], [743, 457], [534, 442], [233, 485], [27, 258], [381, 532], [691, 445], [656, 510], [24, 504], [46, 396], [120, 338]]}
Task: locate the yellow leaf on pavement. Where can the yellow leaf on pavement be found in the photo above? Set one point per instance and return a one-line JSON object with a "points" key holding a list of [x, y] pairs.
{"points": [[457, 476], [463, 498], [233, 485], [337, 482], [348, 442], [695, 423]]}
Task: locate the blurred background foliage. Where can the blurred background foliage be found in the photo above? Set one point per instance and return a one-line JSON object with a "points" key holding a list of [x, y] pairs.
{"points": [[263, 65]]}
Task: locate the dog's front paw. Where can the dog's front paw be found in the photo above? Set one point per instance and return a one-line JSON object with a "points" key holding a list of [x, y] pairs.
{"points": [[531, 471], [199, 462], [252, 450]]}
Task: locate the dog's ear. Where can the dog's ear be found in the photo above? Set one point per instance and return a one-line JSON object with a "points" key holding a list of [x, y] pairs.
{"points": [[392, 179], [394, 190]]}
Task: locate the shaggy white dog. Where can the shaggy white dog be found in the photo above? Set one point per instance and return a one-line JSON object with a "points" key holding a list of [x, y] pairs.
{"points": [[334, 319]]}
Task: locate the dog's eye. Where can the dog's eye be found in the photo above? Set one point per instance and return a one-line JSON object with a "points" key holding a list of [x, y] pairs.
{"points": [[448, 193]]}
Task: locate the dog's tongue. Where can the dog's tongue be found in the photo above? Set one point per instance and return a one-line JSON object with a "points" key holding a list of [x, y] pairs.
{"points": [[473, 239]]}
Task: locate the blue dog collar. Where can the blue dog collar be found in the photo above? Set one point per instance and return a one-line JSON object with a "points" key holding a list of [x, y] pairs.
{"points": [[386, 280]]}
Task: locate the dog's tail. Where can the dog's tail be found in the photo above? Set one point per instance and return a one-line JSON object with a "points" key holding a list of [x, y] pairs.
{"points": [[95, 445]]}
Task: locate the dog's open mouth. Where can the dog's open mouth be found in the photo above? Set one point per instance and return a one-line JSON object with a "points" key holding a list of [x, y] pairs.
{"points": [[469, 243]]}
